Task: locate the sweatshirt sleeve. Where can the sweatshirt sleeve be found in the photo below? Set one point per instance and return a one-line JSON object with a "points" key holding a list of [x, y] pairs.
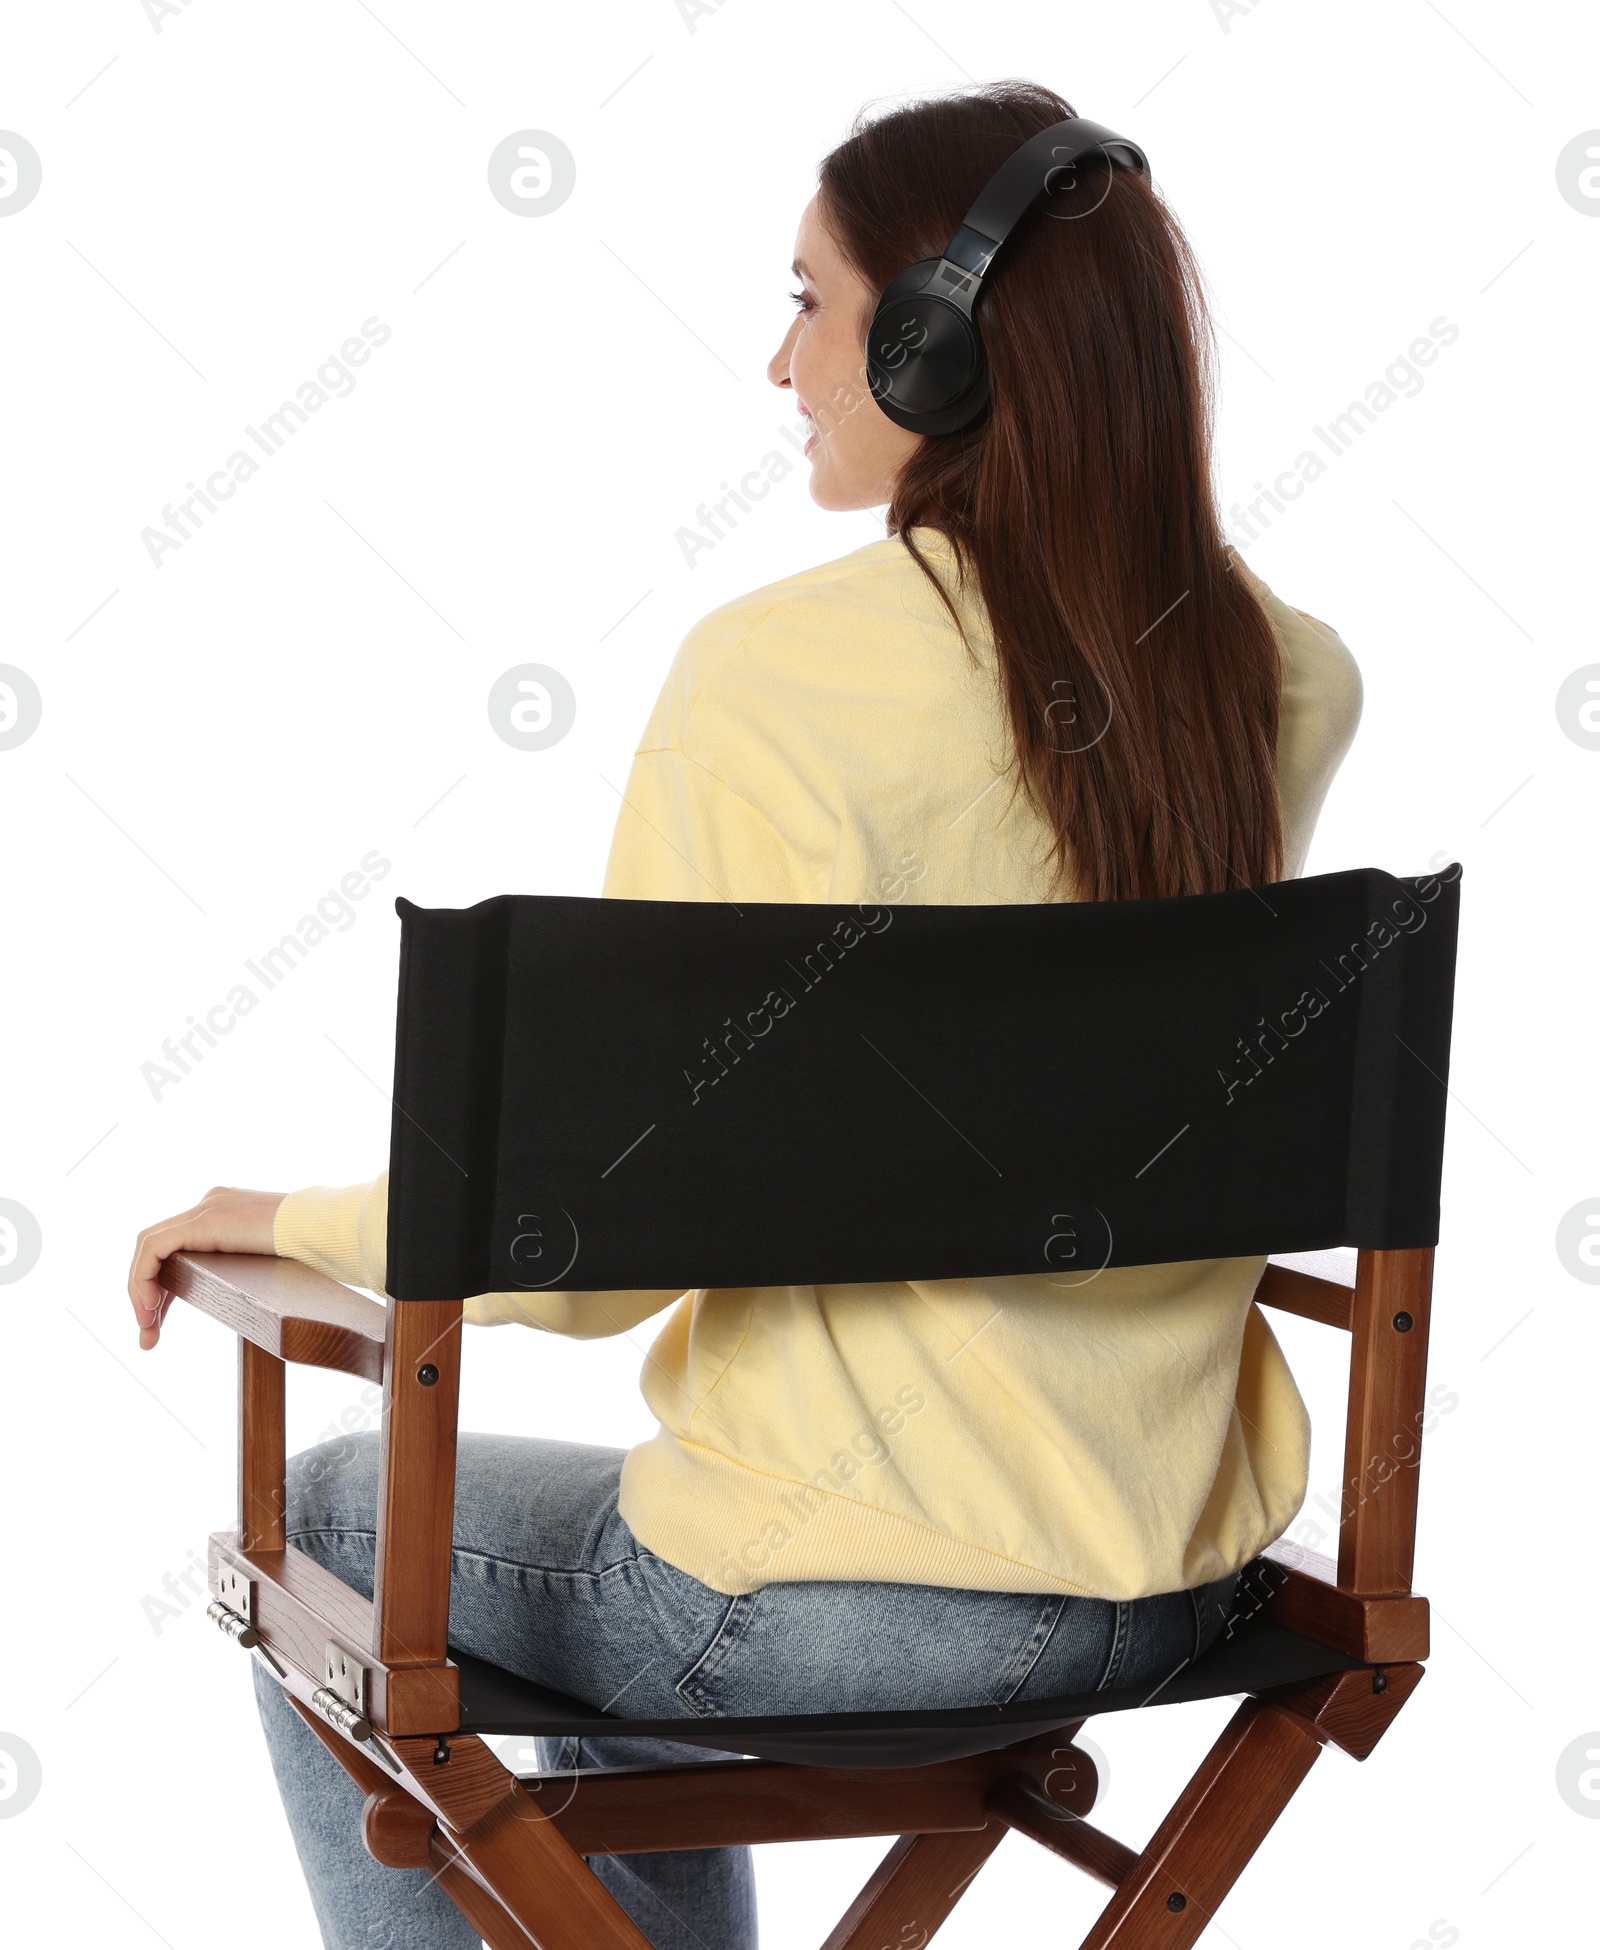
{"points": [[344, 1234]]}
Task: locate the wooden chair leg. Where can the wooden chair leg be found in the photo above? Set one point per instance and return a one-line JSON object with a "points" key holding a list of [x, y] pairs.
{"points": [[545, 1884], [1350, 1710], [1215, 1826], [487, 1915], [401, 1833], [505, 1871], [914, 1888]]}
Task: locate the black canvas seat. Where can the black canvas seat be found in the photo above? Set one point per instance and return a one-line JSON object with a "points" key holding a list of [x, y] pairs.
{"points": [[1252, 1657], [1255, 1073]]}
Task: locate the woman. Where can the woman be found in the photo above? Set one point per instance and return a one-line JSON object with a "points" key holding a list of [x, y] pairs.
{"points": [[1051, 680]]}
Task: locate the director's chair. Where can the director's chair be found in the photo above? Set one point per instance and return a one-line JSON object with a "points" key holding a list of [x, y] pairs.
{"points": [[1255, 1072]]}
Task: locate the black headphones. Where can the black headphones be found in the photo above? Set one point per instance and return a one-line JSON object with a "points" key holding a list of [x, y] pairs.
{"points": [[925, 361]]}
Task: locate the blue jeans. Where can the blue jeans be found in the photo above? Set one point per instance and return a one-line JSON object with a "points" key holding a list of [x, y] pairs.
{"points": [[548, 1581]]}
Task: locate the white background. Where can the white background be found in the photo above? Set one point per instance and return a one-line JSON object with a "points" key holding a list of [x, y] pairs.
{"points": [[305, 681]]}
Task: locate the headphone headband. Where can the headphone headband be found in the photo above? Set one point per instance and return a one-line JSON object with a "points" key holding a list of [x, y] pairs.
{"points": [[1023, 177], [925, 362]]}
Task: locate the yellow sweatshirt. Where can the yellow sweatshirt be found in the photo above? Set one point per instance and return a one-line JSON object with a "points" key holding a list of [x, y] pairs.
{"points": [[829, 738]]}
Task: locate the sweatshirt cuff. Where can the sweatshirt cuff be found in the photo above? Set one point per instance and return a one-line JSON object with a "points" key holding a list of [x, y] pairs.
{"points": [[340, 1232]]}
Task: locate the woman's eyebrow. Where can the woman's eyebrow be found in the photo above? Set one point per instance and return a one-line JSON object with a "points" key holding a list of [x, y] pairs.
{"points": [[799, 268]]}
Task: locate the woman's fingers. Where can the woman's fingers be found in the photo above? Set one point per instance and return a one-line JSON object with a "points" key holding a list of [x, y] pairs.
{"points": [[227, 1220], [152, 1247], [164, 1302]]}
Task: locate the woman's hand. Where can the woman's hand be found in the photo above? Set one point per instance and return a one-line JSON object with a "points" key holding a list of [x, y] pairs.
{"points": [[225, 1221]]}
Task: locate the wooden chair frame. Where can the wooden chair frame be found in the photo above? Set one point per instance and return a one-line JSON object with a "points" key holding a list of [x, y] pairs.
{"points": [[375, 1683]]}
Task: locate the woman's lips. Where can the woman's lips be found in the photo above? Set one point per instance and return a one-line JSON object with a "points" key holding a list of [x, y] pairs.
{"points": [[811, 438]]}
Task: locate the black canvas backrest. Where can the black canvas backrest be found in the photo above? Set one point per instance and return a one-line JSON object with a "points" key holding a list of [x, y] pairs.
{"points": [[598, 1094]]}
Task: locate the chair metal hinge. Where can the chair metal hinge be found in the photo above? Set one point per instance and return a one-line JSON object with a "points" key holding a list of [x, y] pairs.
{"points": [[344, 1676], [233, 1609], [342, 1698], [347, 1718]]}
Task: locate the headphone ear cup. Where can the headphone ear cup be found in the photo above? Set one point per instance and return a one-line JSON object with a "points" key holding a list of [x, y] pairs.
{"points": [[924, 357]]}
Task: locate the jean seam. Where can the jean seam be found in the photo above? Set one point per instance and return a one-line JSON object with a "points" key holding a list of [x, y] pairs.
{"points": [[1119, 1644], [658, 1583], [1030, 1654], [367, 1533], [365, 1540], [507, 1572], [577, 1573], [1216, 1610]]}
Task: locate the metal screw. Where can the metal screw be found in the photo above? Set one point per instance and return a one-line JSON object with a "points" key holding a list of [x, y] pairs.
{"points": [[441, 1752], [428, 1374], [1402, 1323], [1380, 1682], [1175, 1902]]}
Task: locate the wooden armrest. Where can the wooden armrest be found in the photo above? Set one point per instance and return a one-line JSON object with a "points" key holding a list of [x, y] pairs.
{"points": [[283, 1307], [1293, 1290]]}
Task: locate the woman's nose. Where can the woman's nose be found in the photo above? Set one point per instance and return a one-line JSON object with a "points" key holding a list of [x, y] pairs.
{"points": [[778, 364]]}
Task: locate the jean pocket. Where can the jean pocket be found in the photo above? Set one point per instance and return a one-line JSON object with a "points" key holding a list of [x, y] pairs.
{"points": [[697, 1688]]}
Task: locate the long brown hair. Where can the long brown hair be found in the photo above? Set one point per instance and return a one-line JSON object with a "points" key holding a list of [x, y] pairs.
{"points": [[1141, 676]]}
